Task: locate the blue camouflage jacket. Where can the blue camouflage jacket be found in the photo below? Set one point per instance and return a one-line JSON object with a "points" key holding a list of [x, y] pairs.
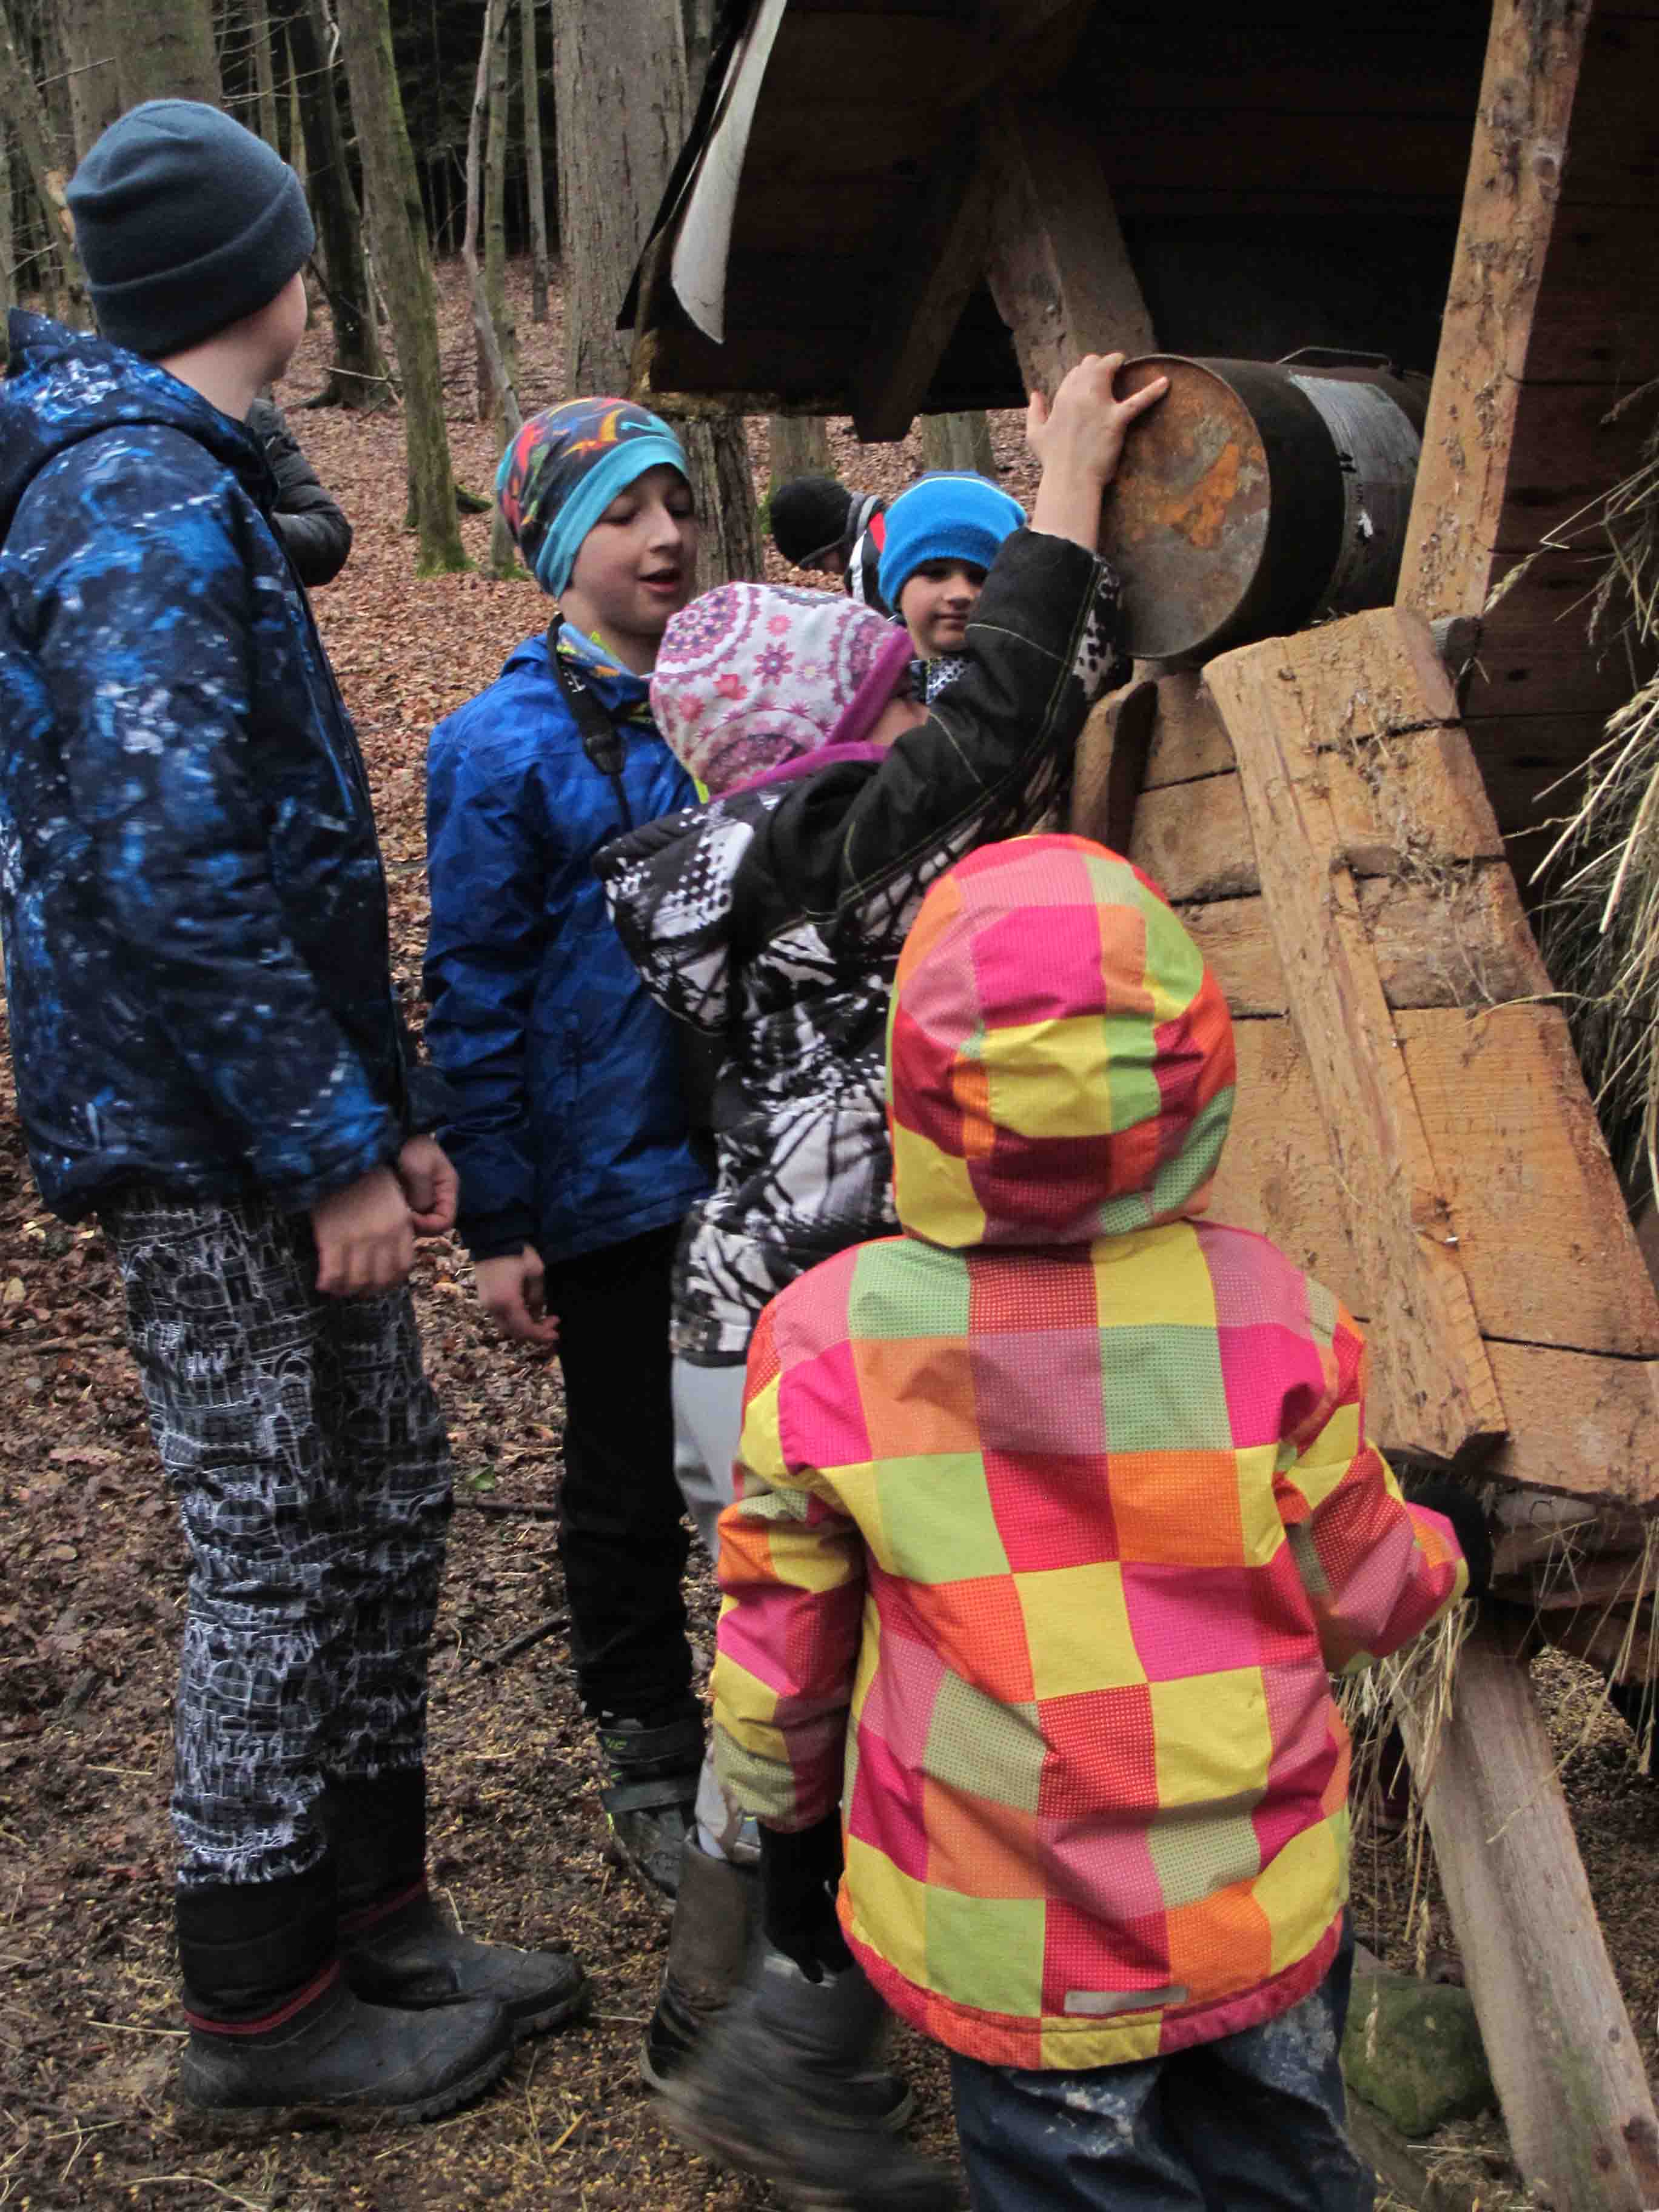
{"points": [[570, 1132], [190, 890]]}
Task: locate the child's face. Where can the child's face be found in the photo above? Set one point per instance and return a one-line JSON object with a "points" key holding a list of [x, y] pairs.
{"points": [[936, 602], [635, 567]]}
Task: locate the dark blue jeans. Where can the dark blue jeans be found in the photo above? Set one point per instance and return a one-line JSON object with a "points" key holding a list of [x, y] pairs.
{"points": [[1253, 2123]]}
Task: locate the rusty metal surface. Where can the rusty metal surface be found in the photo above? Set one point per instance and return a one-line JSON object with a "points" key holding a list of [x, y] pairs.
{"points": [[1186, 520]]}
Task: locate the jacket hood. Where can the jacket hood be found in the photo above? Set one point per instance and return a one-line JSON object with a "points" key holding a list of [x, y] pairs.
{"points": [[62, 386], [1059, 1058]]}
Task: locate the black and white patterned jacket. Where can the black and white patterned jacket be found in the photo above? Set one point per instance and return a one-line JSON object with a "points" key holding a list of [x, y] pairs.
{"points": [[772, 920]]}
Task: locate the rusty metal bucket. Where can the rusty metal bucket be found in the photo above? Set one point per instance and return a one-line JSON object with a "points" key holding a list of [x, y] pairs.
{"points": [[1258, 496]]}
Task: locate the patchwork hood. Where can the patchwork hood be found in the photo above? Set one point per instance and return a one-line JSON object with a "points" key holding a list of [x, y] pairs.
{"points": [[62, 386], [1060, 1059]]}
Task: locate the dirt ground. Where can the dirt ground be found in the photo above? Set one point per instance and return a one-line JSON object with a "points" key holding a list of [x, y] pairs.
{"points": [[92, 1591]]}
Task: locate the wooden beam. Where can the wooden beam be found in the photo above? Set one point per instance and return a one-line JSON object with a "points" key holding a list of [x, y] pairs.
{"points": [[1509, 199], [1059, 272], [1563, 2056], [1434, 1385], [942, 258]]}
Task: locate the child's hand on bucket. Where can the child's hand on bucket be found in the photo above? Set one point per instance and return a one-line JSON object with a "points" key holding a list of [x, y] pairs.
{"points": [[1086, 425]]}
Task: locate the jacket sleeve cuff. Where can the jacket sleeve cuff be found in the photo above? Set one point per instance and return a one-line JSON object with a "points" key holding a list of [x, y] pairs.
{"points": [[431, 1101], [494, 1236]]}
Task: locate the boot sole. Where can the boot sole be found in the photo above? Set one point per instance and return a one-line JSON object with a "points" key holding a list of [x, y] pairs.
{"points": [[571, 2006], [892, 2123], [736, 2157], [240, 2117]]}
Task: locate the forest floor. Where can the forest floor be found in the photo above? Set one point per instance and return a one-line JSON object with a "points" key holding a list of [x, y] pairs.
{"points": [[92, 1593]]}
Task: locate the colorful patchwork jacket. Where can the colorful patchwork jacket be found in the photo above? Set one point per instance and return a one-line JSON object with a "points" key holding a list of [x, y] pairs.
{"points": [[1057, 1511]]}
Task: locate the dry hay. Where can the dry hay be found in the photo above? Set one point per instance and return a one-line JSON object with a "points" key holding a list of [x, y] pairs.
{"points": [[1601, 920]]}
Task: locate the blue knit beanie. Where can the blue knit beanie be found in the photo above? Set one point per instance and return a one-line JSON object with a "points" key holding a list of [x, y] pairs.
{"points": [[566, 466], [185, 222], [945, 518]]}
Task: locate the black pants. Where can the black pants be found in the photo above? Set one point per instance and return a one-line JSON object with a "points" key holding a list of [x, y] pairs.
{"points": [[622, 1535], [309, 1459]]}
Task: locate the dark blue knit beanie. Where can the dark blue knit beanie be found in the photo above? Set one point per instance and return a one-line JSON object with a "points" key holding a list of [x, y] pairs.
{"points": [[185, 222]]}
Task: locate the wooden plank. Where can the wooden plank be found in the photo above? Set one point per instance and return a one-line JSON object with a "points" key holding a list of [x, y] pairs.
{"points": [[943, 260], [1523, 757], [1563, 2056], [1234, 937], [1364, 157], [1059, 270], [1509, 198], [1583, 1423], [1565, 455], [1536, 657], [1600, 318], [1110, 765], [1193, 840], [1188, 737], [1461, 940], [1434, 1387], [1547, 1251], [1276, 1174]]}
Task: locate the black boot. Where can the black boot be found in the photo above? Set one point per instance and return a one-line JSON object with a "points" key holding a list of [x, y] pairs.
{"points": [[716, 1917], [274, 2025], [783, 2087], [398, 1947], [650, 1801]]}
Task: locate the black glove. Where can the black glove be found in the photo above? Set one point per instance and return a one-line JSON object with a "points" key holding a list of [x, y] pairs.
{"points": [[799, 1874], [1443, 1494]]}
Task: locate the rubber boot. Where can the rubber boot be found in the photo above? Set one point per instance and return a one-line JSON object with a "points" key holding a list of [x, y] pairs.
{"points": [[274, 2025], [650, 1800], [716, 1920], [783, 2087], [399, 1946]]}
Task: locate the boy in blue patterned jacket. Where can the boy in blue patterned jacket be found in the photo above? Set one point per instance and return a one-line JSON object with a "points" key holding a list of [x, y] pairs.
{"points": [[208, 1056]]}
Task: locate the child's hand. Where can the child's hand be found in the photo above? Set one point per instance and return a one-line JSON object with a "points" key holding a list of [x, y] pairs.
{"points": [[1086, 426], [1079, 441], [365, 1237], [431, 1185], [513, 1291]]}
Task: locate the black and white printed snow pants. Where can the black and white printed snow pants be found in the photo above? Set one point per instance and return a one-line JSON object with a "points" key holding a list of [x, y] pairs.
{"points": [[312, 1467]]}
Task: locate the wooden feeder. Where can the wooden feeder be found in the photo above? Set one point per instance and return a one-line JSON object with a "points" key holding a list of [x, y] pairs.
{"points": [[888, 209]]}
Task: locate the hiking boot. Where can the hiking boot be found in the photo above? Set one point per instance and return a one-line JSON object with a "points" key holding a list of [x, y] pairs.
{"points": [[780, 2088], [409, 1954], [650, 1800], [716, 1915], [326, 2048]]}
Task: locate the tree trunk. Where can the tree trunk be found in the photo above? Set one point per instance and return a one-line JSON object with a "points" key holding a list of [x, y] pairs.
{"points": [[357, 378], [164, 50], [958, 443], [21, 107], [94, 83], [493, 219], [8, 291], [697, 23], [495, 393], [535, 176], [620, 69], [404, 265], [800, 447], [264, 75]]}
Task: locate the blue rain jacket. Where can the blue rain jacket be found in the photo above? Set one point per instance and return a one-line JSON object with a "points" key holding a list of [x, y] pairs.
{"points": [[571, 1128], [191, 890]]}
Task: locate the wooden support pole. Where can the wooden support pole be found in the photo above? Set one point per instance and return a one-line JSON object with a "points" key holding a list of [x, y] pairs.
{"points": [[1434, 1387], [917, 312], [1059, 272], [1564, 2058]]}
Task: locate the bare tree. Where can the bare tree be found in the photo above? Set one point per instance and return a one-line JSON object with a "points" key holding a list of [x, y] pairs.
{"points": [[8, 288], [958, 441], [497, 395], [495, 211], [357, 377], [393, 192], [799, 447], [620, 69], [164, 49], [21, 107], [264, 74], [92, 78], [535, 176]]}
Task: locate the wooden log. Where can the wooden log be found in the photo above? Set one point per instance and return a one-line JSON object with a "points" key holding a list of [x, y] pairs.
{"points": [[1194, 841], [1582, 1423], [941, 260], [1189, 738], [1563, 2056], [1059, 270], [1276, 1174], [1509, 199], [1434, 1385], [1111, 764]]}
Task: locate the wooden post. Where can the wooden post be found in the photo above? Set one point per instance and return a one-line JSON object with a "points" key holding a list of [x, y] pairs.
{"points": [[1435, 1388], [1564, 2060], [1059, 272], [799, 447], [958, 441]]}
